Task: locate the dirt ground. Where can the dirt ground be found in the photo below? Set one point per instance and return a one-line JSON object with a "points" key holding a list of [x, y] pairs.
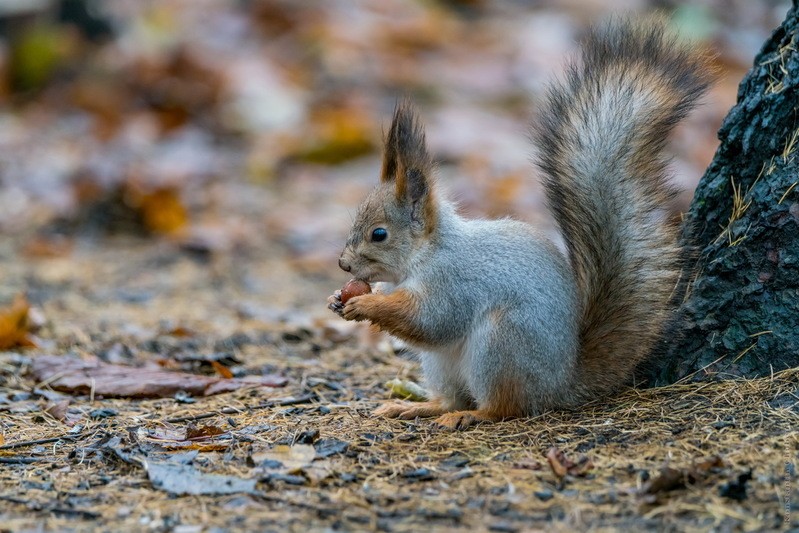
{"points": [[158, 232], [133, 302]]}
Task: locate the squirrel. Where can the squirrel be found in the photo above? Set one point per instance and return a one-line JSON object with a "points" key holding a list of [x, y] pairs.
{"points": [[506, 325]]}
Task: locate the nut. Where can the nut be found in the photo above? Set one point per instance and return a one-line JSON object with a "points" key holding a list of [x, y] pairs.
{"points": [[354, 287]]}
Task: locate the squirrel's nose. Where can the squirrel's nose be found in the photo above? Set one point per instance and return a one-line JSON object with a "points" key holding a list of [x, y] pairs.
{"points": [[343, 265]]}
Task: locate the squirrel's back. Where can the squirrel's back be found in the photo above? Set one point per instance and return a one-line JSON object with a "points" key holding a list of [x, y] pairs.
{"points": [[601, 133]]}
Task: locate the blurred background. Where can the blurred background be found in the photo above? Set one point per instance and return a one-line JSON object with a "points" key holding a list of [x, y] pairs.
{"points": [[238, 136]]}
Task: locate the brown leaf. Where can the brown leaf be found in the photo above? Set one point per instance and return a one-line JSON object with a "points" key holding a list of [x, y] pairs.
{"points": [[673, 478], [163, 211], [58, 410], [562, 465], [77, 376], [15, 325], [668, 479], [341, 133], [227, 385], [181, 331], [221, 369], [527, 464], [47, 246], [186, 438], [555, 458], [203, 432]]}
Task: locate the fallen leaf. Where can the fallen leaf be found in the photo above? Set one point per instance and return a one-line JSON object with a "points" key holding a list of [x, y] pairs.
{"points": [[555, 458], [668, 479], [181, 479], [73, 375], [203, 432], [58, 410], [221, 369], [190, 437], [227, 385], [340, 134], [328, 447], [407, 390], [15, 325], [527, 464], [48, 246], [161, 210], [562, 465], [293, 458], [181, 331], [672, 478]]}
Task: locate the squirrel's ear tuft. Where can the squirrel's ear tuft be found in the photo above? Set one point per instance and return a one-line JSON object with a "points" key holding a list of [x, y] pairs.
{"points": [[408, 166], [406, 150]]}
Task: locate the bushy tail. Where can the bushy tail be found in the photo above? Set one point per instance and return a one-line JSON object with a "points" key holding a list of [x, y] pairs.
{"points": [[600, 136]]}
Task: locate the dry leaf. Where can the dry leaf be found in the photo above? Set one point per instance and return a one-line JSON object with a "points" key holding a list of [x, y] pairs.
{"points": [[562, 465], [203, 432], [48, 246], [187, 438], [673, 478], [221, 369], [293, 458], [58, 410], [69, 374], [406, 389], [15, 325], [185, 479], [181, 331], [162, 211], [341, 134]]}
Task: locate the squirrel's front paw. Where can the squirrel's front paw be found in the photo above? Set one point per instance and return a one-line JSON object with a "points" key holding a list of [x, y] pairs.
{"points": [[356, 308], [335, 304]]}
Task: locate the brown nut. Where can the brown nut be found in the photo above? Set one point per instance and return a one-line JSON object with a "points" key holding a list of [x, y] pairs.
{"points": [[354, 287]]}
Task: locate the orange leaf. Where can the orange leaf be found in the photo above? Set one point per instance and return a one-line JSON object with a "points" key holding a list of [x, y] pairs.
{"points": [[14, 324], [161, 209], [222, 370]]}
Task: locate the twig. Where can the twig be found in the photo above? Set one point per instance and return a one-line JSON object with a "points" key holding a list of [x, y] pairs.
{"points": [[26, 443], [281, 402], [22, 460], [37, 506]]}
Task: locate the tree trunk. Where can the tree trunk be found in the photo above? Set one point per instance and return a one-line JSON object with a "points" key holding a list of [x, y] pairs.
{"points": [[740, 311]]}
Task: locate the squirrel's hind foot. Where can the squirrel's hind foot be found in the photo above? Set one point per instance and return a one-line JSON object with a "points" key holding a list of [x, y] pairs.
{"points": [[464, 419], [410, 410]]}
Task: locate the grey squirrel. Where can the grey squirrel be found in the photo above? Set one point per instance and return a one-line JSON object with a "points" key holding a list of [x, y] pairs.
{"points": [[506, 326]]}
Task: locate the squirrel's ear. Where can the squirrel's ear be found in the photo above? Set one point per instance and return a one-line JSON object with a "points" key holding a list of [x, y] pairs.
{"points": [[408, 166], [406, 153]]}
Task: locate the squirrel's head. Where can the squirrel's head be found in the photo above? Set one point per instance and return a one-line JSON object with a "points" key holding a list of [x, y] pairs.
{"points": [[399, 216]]}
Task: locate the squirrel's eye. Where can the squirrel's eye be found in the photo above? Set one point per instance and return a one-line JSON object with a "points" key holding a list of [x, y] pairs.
{"points": [[379, 234]]}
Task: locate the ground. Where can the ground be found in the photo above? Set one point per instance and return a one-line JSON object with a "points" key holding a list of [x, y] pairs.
{"points": [[173, 198], [364, 473]]}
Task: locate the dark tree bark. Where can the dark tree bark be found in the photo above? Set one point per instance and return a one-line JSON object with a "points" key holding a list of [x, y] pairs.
{"points": [[740, 312]]}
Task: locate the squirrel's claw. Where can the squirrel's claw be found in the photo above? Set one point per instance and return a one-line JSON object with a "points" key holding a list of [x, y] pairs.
{"points": [[462, 419], [334, 303]]}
